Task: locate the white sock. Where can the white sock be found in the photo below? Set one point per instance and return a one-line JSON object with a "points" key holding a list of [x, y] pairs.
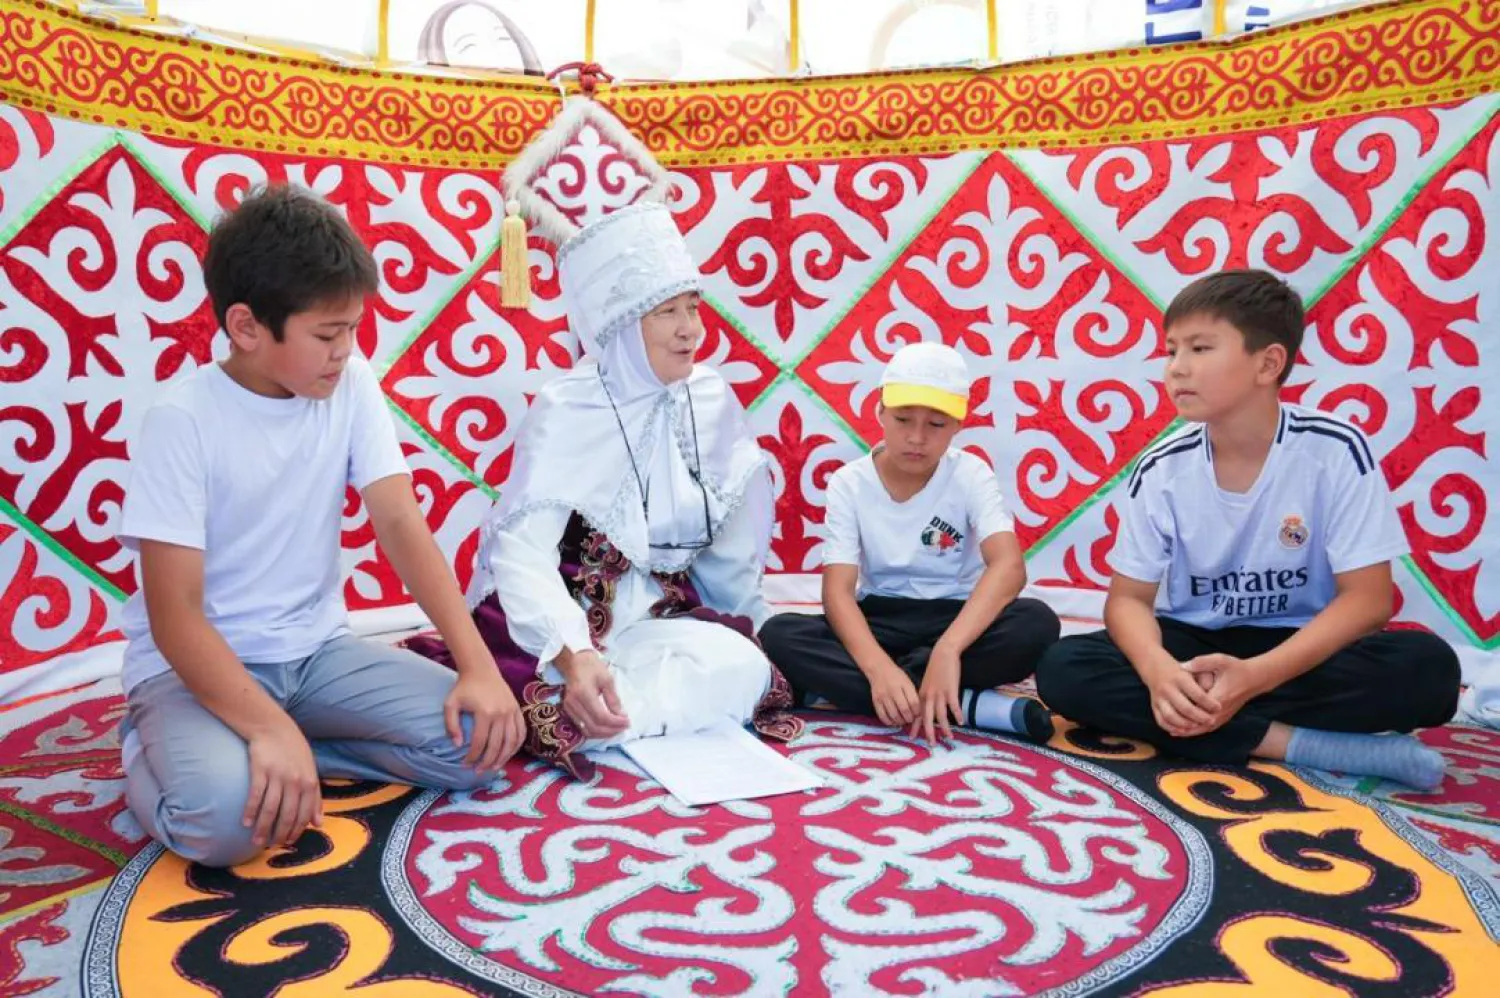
{"points": [[991, 710]]}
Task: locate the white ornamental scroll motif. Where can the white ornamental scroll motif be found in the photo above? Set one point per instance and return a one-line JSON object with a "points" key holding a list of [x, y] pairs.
{"points": [[980, 868]]}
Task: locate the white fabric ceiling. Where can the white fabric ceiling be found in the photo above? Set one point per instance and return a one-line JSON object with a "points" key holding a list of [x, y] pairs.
{"points": [[709, 39]]}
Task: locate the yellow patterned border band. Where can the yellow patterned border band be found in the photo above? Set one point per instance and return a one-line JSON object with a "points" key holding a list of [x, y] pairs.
{"points": [[1402, 54]]}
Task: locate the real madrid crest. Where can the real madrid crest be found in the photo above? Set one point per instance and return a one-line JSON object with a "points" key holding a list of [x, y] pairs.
{"points": [[1294, 532]]}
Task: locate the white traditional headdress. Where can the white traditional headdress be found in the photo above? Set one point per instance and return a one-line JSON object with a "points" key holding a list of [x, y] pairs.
{"points": [[593, 190], [619, 268], [576, 183], [607, 434]]}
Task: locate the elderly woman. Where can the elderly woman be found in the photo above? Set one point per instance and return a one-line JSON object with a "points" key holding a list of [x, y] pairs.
{"points": [[619, 574]]}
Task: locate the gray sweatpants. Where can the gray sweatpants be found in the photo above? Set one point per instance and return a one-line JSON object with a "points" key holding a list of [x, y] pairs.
{"points": [[370, 712]]}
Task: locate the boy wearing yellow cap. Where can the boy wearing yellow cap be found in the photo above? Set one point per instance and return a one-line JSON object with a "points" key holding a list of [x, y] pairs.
{"points": [[922, 574]]}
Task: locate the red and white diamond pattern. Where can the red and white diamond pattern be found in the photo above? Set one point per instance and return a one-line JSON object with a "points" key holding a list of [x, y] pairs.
{"points": [[1001, 276], [1298, 201], [1047, 270], [789, 247]]}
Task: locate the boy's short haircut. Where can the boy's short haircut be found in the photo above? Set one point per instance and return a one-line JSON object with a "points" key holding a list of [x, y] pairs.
{"points": [[1259, 304], [285, 250]]}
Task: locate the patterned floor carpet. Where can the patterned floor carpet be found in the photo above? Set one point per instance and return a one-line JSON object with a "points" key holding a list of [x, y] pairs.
{"points": [[981, 868]]}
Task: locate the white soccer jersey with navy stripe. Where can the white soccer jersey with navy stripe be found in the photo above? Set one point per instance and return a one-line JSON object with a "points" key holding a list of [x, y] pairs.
{"points": [[1267, 557]]}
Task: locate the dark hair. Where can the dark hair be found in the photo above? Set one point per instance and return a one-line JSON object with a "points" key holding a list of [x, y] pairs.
{"points": [[284, 250], [1260, 305]]}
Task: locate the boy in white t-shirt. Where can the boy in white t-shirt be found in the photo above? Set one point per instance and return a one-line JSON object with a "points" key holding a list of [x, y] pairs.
{"points": [[1253, 571], [243, 681], [921, 575]]}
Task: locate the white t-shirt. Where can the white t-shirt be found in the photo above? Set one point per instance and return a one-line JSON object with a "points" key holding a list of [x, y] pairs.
{"points": [[924, 548], [258, 484], [1265, 558]]}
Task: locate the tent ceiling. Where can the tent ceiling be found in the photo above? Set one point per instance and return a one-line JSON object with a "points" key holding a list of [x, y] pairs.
{"points": [[704, 39]]}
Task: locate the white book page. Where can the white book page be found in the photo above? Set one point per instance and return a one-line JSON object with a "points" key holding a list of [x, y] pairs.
{"points": [[719, 764]]}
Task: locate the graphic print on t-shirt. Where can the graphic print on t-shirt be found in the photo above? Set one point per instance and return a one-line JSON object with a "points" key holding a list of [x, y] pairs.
{"points": [[941, 536], [1294, 532], [1249, 592], [1269, 556], [928, 546], [1265, 588]]}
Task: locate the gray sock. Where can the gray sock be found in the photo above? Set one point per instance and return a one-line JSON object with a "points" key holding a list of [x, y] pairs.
{"points": [[1395, 757]]}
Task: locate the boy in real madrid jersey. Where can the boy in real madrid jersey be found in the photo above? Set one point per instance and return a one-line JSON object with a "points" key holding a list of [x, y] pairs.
{"points": [[921, 574], [1252, 572]]}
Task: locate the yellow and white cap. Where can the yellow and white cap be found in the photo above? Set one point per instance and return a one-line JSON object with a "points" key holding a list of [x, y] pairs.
{"points": [[929, 374]]}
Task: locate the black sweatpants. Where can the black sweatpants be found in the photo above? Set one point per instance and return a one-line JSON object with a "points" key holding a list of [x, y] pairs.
{"points": [[814, 661], [1390, 681]]}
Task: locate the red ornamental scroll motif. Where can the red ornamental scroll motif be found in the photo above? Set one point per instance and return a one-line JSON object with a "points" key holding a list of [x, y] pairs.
{"points": [[1396, 346], [1003, 276], [43, 615], [1092, 888], [103, 299], [803, 463], [26, 128], [1047, 270], [423, 227], [470, 376], [1246, 221], [786, 242]]}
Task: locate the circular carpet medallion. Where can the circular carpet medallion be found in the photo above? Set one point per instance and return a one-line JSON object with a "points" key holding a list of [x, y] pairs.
{"points": [[999, 866], [985, 867]]}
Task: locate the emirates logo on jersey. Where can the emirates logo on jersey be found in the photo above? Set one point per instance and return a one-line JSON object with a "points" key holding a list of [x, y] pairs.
{"points": [[1294, 532], [941, 536]]}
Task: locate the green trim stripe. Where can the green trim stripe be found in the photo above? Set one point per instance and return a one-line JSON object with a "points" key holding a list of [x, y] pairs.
{"points": [[16, 914], [31, 818], [1476, 819], [436, 447], [55, 763], [744, 331], [1439, 163], [183, 200], [420, 326], [890, 261], [1099, 245], [1103, 490], [776, 382], [1448, 611], [53, 189], [52, 544], [7, 236], [789, 369], [1352, 260]]}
